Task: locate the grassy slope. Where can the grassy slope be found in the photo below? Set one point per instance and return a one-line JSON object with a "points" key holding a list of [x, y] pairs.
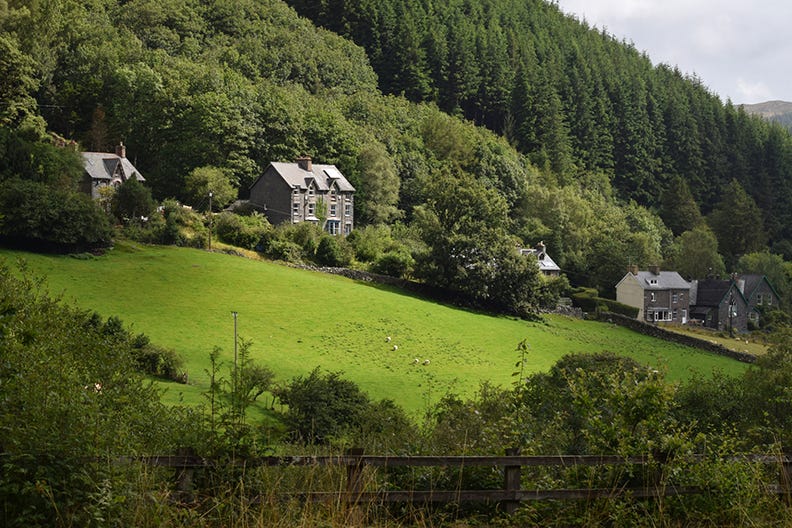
{"points": [[298, 320]]}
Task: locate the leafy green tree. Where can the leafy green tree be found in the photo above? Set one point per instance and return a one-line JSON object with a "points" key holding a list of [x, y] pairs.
{"points": [[696, 254], [25, 154], [470, 251], [378, 191], [132, 200], [204, 180], [322, 406], [333, 252], [737, 224], [44, 218], [18, 108]]}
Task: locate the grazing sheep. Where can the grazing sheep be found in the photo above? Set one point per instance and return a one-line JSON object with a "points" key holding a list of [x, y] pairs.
{"points": [[416, 361], [426, 362], [395, 347], [387, 339]]}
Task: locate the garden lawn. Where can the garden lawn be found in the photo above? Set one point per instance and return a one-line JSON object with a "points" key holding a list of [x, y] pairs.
{"points": [[298, 320]]}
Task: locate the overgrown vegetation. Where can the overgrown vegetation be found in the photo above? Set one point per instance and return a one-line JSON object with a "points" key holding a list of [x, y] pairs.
{"points": [[75, 404]]}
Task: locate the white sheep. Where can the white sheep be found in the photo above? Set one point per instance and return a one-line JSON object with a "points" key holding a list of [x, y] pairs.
{"points": [[416, 361], [426, 362], [387, 339], [395, 347]]}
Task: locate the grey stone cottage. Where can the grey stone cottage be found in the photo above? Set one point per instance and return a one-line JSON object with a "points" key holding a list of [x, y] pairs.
{"points": [[104, 169]]}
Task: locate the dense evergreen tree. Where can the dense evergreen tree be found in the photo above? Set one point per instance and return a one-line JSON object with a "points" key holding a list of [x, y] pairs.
{"points": [[737, 223]]}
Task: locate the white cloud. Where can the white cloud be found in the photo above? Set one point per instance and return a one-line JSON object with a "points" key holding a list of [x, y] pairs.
{"points": [[753, 91]]}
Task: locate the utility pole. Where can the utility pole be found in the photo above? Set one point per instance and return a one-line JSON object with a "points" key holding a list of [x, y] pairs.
{"points": [[236, 396], [210, 220]]}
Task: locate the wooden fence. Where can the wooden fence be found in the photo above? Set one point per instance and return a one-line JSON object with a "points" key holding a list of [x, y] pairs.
{"points": [[509, 495]]}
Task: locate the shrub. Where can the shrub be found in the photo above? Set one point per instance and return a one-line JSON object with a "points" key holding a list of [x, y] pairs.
{"points": [[394, 263], [333, 252], [370, 242], [41, 217], [182, 227], [131, 201], [322, 406], [241, 231], [70, 393]]}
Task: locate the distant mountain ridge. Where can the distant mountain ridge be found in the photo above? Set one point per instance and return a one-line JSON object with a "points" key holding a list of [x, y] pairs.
{"points": [[777, 111]]}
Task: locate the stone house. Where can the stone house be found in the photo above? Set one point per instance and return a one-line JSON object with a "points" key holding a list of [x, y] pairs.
{"points": [[104, 169], [660, 296], [305, 192], [546, 264], [760, 294], [719, 304]]}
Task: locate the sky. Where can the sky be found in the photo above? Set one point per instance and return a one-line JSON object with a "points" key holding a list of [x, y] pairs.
{"points": [[739, 49]]}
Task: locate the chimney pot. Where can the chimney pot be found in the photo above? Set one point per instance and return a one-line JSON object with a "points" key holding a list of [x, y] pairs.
{"points": [[121, 150]]}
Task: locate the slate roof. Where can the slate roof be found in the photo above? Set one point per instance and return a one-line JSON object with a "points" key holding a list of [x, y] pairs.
{"points": [[322, 175], [710, 292], [546, 264], [713, 292], [752, 282], [664, 280], [106, 166]]}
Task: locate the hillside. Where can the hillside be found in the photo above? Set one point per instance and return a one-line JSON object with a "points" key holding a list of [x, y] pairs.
{"points": [[777, 111], [298, 320]]}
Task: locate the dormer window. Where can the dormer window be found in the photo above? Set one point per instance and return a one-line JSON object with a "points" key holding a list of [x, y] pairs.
{"points": [[653, 282]]}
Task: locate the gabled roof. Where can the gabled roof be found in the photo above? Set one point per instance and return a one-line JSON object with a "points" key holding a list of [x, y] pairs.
{"points": [[752, 282], [713, 292], [322, 176], [546, 264], [663, 280], [107, 166]]}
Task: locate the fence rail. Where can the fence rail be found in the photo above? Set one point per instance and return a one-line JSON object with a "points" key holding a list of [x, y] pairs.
{"points": [[510, 495]]}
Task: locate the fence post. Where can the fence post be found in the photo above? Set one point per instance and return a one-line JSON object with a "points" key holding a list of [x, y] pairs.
{"points": [[785, 475], [511, 482], [184, 476], [354, 486]]}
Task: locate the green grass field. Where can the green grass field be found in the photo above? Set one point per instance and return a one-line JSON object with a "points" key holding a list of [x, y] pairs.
{"points": [[297, 320]]}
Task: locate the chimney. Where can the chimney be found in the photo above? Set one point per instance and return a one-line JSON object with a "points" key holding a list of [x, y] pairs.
{"points": [[654, 270], [541, 249], [121, 150], [305, 163], [632, 269]]}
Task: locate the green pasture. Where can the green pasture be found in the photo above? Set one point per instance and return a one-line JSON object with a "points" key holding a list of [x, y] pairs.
{"points": [[298, 319]]}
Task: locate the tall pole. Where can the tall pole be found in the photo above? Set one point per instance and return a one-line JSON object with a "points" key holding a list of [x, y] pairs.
{"points": [[236, 396], [210, 220]]}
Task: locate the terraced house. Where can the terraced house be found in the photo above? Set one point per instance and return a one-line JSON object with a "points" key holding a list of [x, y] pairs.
{"points": [[304, 191]]}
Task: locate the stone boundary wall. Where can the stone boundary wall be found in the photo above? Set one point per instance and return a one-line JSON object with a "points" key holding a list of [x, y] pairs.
{"points": [[667, 335]]}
